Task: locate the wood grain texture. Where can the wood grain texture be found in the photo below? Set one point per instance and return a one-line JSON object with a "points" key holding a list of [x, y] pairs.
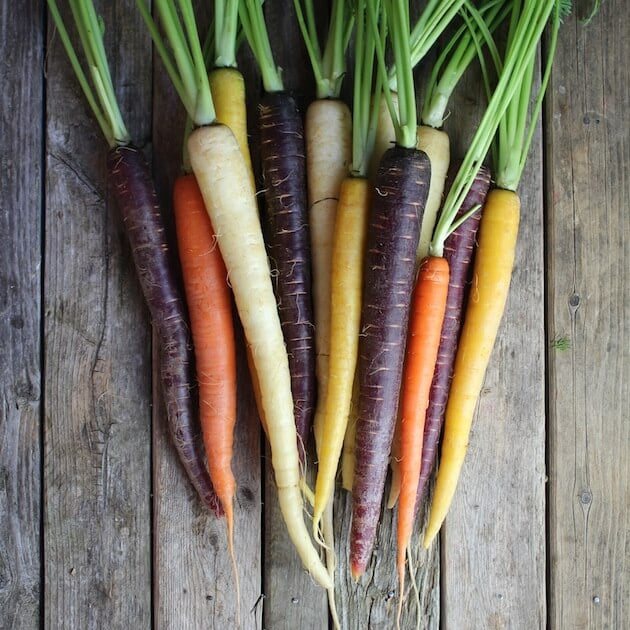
{"points": [[589, 306], [97, 530], [21, 130], [493, 540]]}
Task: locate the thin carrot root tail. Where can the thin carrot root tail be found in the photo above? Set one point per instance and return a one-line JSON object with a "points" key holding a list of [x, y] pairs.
{"points": [[414, 586], [229, 519], [401, 584], [290, 506], [331, 560]]}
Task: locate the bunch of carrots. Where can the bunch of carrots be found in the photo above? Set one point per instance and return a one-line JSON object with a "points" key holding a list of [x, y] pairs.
{"points": [[369, 297]]}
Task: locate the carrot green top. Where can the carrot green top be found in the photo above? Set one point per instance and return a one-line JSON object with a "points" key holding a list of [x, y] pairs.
{"points": [[459, 52], [225, 33], [253, 22], [365, 101], [184, 62], [516, 128], [395, 23], [528, 21], [329, 68], [100, 93]]}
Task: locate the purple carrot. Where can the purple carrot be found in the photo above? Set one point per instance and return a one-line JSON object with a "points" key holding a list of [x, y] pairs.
{"points": [[284, 170], [133, 187], [459, 252], [398, 200]]}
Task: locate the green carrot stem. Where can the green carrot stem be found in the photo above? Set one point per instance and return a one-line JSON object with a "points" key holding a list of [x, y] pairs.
{"points": [[526, 33], [101, 98], [225, 33], [253, 22], [365, 111], [185, 63]]}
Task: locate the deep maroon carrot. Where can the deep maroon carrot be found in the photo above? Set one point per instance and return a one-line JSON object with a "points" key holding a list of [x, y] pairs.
{"points": [[130, 177], [283, 161], [459, 252], [400, 192]]}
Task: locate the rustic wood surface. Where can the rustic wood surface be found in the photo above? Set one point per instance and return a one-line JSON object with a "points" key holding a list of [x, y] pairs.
{"points": [[98, 526]]}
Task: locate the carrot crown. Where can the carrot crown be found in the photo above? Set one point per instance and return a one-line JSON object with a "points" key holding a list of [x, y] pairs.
{"points": [[365, 103], [329, 68], [458, 54], [516, 127], [528, 22], [225, 33], [100, 92], [184, 62], [435, 17], [255, 28], [395, 23]]}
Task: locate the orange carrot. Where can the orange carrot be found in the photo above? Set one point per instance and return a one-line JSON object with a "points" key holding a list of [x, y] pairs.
{"points": [[425, 325], [209, 301]]}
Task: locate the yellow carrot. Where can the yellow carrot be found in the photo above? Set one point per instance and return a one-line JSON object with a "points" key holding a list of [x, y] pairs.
{"points": [[228, 94], [491, 281], [328, 131], [345, 318]]}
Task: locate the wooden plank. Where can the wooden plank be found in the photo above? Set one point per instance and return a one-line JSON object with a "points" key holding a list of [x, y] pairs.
{"points": [[493, 540], [292, 598], [96, 353], [589, 323], [21, 130], [194, 582]]}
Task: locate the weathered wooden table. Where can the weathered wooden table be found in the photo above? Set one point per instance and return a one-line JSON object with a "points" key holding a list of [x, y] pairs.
{"points": [[99, 529]]}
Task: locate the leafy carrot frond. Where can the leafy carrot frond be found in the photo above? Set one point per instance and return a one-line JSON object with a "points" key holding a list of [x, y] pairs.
{"points": [[100, 93], [184, 62], [225, 33], [365, 99], [527, 24], [329, 68], [468, 41], [255, 29]]}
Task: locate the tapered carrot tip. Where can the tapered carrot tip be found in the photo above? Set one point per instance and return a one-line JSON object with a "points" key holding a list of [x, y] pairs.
{"points": [[356, 571], [428, 537]]}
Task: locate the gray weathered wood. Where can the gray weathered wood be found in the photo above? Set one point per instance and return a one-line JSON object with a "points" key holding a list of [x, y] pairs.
{"points": [[21, 130], [97, 527], [589, 307]]}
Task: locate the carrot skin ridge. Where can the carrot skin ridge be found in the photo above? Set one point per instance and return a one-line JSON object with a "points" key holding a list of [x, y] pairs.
{"points": [[459, 252], [132, 185], [283, 160], [492, 271], [400, 192], [209, 302], [423, 339]]}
